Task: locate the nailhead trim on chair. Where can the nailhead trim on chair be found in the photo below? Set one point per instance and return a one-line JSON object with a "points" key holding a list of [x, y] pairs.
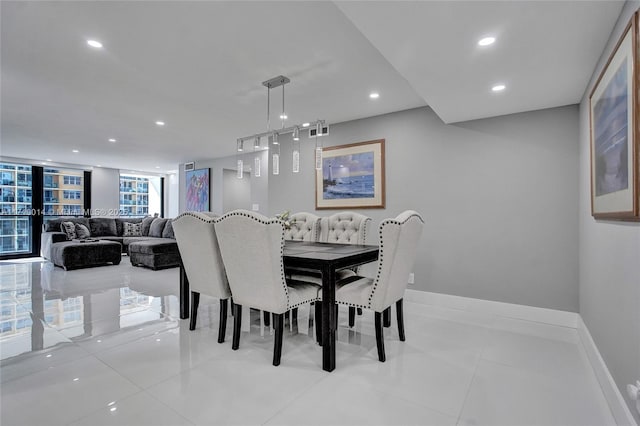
{"points": [[380, 257], [277, 222], [198, 215]]}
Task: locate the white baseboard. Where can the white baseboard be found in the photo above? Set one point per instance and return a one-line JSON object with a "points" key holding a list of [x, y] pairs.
{"points": [[612, 394], [509, 310]]}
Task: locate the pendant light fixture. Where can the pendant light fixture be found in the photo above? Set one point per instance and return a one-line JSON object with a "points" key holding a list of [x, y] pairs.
{"points": [[274, 136], [256, 159], [240, 163]]}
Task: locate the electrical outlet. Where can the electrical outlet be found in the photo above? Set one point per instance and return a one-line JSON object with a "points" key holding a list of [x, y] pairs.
{"points": [[255, 207], [412, 278]]}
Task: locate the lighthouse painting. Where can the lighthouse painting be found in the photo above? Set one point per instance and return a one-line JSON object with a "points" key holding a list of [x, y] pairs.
{"points": [[352, 176]]}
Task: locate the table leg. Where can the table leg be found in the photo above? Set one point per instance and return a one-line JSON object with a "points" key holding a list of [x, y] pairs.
{"points": [[328, 319], [184, 293]]}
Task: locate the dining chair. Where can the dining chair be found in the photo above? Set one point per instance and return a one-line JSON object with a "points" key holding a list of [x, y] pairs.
{"points": [[198, 246], [398, 245], [345, 227], [303, 227], [252, 247]]}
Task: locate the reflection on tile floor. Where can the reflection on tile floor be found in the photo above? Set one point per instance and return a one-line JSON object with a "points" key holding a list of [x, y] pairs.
{"points": [[105, 346]]}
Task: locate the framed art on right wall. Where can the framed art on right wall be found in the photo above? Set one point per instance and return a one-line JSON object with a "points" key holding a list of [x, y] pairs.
{"points": [[615, 132]]}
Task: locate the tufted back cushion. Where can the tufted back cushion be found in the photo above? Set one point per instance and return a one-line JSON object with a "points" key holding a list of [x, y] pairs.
{"points": [[304, 227], [198, 246], [252, 246], [398, 245], [345, 228]]}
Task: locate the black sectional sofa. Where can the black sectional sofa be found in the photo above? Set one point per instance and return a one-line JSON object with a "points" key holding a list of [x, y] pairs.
{"points": [[155, 248]]}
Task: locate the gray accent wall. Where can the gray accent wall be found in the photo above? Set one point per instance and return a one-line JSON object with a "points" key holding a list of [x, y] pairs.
{"points": [[609, 261], [499, 196]]}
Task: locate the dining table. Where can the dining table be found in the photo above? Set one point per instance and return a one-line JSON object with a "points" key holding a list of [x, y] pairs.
{"points": [[325, 259]]}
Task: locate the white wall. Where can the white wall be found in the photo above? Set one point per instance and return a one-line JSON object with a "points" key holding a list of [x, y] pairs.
{"points": [[105, 192], [609, 261], [499, 197], [172, 195]]}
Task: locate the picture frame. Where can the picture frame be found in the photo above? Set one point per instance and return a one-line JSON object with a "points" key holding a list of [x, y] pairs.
{"points": [[197, 190], [614, 105], [352, 176]]}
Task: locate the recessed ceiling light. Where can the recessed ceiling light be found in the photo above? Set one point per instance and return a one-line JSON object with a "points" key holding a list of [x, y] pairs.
{"points": [[112, 140], [49, 159], [486, 41], [283, 116], [498, 88], [98, 165], [75, 151], [157, 167], [95, 44], [43, 163], [160, 123], [374, 95], [306, 124]]}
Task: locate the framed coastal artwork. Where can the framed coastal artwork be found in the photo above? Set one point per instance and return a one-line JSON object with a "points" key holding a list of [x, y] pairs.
{"points": [[197, 191], [615, 132], [352, 176]]}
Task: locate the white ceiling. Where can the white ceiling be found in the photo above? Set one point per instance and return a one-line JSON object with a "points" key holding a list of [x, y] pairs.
{"points": [[198, 66]]}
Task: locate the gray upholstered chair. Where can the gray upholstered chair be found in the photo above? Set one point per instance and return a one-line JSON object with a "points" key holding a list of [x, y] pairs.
{"points": [[304, 227], [196, 237], [398, 245], [252, 246]]}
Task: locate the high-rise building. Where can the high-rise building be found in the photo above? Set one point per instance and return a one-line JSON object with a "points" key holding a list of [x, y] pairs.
{"points": [[15, 208], [134, 195]]}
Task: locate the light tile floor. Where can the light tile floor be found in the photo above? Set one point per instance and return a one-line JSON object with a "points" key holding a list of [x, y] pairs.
{"points": [[105, 346]]}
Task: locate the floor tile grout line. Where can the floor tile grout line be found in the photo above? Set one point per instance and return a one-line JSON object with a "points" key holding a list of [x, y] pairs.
{"points": [[473, 378]]}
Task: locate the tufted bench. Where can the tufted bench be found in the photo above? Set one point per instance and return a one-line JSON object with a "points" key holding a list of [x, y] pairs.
{"points": [[158, 253], [76, 254]]}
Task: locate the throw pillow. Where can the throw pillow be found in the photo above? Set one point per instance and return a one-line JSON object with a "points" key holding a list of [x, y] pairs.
{"points": [[132, 229], [168, 230], [157, 226], [146, 224], [69, 228], [103, 227], [82, 231]]}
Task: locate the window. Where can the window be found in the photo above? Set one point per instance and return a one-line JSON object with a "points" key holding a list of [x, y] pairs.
{"points": [[16, 208], [72, 180], [139, 195], [71, 195], [63, 193]]}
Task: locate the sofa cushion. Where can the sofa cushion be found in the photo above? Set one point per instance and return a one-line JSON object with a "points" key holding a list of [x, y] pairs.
{"points": [[120, 221], [157, 226], [132, 229], [154, 246], [103, 226], [168, 230], [82, 231], [128, 240], [53, 225], [146, 225], [69, 228]]}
